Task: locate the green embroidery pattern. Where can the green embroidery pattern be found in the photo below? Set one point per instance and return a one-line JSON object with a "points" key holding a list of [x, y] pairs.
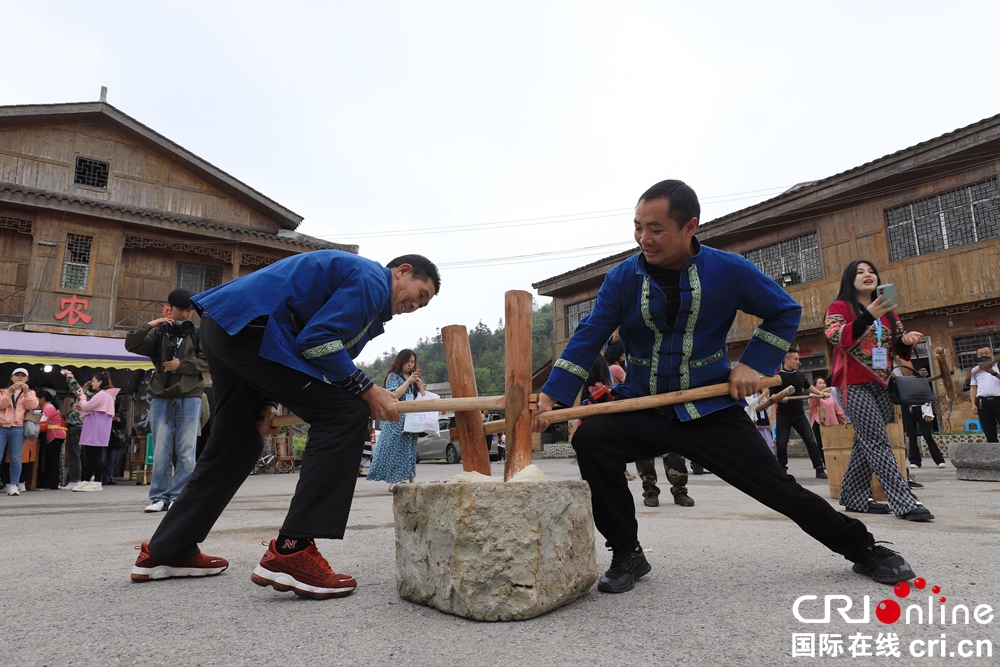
{"points": [[354, 341], [701, 363], [688, 343], [323, 350], [654, 361], [578, 371], [771, 339], [637, 361]]}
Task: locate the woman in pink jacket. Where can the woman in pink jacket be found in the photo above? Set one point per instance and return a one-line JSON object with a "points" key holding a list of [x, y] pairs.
{"points": [[824, 411], [98, 413], [14, 400]]}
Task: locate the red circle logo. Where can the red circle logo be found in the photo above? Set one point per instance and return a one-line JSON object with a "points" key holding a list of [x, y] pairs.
{"points": [[887, 611], [919, 583], [902, 589]]}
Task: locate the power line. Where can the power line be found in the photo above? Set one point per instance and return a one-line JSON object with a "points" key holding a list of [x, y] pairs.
{"points": [[545, 220], [534, 257]]}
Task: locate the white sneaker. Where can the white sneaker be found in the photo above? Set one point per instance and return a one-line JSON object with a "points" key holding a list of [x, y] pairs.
{"points": [[69, 486], [12, 490], [156, 506], [21, 487], [91, 486], [172, 501], [79, 486], [942, 465], [914, 466]]}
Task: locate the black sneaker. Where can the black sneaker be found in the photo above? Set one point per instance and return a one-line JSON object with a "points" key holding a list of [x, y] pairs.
{"points": [[917, 514], [626, 567], [821, 473], [697, 469], [915, 484], [884, 565], [651, 501], [684, 500], [873, 508]]}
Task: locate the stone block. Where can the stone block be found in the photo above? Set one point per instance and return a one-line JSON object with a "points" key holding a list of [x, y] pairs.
{"points": [[977, 461], [494, 551]]}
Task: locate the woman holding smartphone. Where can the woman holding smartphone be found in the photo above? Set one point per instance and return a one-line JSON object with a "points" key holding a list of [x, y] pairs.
{"points": [[395, 458], [98, 413], [863, 333]]}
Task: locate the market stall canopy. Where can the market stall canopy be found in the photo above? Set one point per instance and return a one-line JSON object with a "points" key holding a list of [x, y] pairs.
{"points": [[60, 350]]}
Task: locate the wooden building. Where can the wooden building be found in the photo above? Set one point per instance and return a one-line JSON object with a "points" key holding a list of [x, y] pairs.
{"points": [[928, 216], [101, 217]]}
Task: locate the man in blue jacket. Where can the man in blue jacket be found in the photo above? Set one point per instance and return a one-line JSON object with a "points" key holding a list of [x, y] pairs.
{"points": [[673, 305], [288, 334]]}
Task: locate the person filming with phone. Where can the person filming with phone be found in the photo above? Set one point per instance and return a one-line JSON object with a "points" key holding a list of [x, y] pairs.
{"points": [[172, 343], [863, 334]]}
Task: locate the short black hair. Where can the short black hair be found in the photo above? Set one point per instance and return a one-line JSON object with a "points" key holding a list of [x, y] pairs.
{"points": [[180, 298], [423, 269], [683, 200]]}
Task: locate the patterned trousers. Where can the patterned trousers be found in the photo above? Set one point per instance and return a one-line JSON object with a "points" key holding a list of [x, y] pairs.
{"points": [[870, 409], [675, 468]]}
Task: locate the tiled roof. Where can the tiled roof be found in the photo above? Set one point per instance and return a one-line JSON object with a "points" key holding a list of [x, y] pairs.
{"points": [[801, 188], [283, 236]]}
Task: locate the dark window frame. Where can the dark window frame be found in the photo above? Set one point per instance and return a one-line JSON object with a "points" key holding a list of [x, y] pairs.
{"points": [[791, 261], [962, 216], [574, 312], [91, 173], [78, 255], [210, 276]]}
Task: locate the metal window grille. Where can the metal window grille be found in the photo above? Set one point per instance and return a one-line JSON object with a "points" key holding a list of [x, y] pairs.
{"points": [[789, 262], [76, 262], [959, 217], [197, 278], [576, 312], [93, 173], [965, 349]]}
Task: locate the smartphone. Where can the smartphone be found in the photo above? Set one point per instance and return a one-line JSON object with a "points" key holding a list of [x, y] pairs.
{"points": [[888, 291]]}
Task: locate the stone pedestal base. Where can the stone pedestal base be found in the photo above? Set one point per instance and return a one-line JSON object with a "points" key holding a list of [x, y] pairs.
{"points": [[494, 551], [977, 461]]}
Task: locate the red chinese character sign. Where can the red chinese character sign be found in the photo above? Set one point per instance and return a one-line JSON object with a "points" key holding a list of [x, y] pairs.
{"points": [[73, 308]]}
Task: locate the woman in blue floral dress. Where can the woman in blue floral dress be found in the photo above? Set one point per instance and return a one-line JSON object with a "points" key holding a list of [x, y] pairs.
{"points": [[395, 458]]}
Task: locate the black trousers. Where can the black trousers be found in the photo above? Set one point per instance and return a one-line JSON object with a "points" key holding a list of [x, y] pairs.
{"points": [[242, 380], [912, 416], [726, 442], [51, 469], [93, 463], [989, 415], [801, 425]]}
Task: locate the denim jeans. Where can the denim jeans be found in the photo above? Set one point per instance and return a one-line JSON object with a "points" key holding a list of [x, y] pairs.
{"points": [[12, 440], [175, 424]]}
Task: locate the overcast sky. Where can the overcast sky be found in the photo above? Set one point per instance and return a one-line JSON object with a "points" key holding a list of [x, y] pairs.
{"points": [[382, 116]]}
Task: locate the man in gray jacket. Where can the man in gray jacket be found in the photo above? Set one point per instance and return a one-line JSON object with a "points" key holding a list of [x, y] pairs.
{"points": [[176, 388]]}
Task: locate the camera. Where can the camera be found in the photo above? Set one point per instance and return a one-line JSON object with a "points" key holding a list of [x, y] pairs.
{"points": [[179, 328]]}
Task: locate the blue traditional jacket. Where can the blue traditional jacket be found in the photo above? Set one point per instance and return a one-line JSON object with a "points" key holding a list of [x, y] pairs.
{"points": [[323, 306], [714, 285]]}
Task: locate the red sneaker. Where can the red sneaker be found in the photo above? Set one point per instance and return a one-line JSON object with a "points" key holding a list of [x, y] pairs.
{"points": [[146, 567], [306, 572]]}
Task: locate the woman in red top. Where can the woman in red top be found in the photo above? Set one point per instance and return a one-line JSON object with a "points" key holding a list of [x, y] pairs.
{"points": [[864, 332], [54, 429]]}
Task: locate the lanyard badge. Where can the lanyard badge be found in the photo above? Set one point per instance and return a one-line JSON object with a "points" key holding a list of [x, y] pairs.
{"points": [[880, 355]]}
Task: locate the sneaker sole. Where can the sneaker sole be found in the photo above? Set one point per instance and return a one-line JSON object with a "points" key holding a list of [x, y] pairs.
{"points": [[282, 581], [149, 511], [608, 588], [892, 580], [169, 572]]}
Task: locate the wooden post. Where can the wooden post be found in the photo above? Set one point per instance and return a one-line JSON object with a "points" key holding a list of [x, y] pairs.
{"points": [[517, 346], [462, 376]]}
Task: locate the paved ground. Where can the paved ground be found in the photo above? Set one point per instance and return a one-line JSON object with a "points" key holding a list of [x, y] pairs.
{"points": [[725, 576]]}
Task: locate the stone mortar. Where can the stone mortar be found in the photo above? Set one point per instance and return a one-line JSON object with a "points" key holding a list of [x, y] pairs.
{"points": [[494, 551]]}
